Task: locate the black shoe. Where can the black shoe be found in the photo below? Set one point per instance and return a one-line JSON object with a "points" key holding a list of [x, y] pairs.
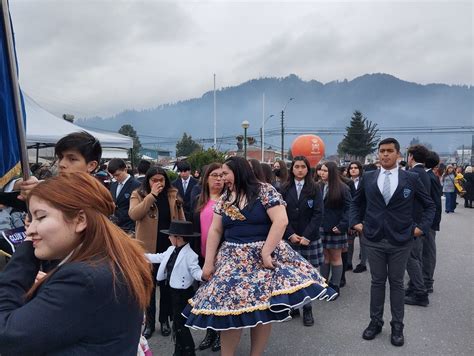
{"points": [[360, 269], [420, 300], [308, 319], [295, 313], [396, 337], [165, 329], [349, 268], [408, 292], [372, 330], [342, 283], [216, 345], [149, 330], [208, 339]]}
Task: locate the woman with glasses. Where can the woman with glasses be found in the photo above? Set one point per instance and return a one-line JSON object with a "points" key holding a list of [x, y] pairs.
{"points": [[253, 278], [203, 211], [152, 206]]}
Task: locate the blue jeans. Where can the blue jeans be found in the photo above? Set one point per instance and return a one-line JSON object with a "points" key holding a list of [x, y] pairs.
{"points": [[450, 204]]}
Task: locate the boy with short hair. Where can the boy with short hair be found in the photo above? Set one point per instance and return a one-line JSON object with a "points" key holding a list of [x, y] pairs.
{"points": [[179, 267]]}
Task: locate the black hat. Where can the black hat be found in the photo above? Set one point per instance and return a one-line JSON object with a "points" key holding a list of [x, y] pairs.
{"points": [[181, 228]]}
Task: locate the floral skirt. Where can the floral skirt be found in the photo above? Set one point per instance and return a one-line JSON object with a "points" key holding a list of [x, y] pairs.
{"points": [[243, 293]]}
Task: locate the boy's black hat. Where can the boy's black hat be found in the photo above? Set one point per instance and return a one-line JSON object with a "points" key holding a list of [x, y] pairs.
{"points": [[181, 228]]}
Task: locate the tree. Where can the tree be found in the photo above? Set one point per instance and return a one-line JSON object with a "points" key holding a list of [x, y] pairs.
{"points": [[199, 159], [134, 155], [361, 138], [186, 146]]}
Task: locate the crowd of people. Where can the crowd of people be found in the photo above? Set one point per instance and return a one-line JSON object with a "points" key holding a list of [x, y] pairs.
{"points": [[233, 245]]}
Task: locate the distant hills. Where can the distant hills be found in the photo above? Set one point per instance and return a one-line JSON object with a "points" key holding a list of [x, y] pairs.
{"points": [[382, 98]]}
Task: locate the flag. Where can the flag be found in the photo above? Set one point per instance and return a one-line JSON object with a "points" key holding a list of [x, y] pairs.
{"points": [[11, 126]]}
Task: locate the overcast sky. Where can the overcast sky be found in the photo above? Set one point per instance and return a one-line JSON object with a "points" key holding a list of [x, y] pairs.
{"points": [[97, 58]]}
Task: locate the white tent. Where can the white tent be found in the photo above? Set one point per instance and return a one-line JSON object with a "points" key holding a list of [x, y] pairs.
{"points": [[42, 127]]}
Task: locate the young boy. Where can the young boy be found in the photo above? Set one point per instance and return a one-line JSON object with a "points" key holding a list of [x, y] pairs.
{"points": [[179, 267]]}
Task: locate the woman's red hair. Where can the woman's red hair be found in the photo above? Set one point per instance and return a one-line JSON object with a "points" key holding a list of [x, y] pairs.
{"points": [[101, 240]]}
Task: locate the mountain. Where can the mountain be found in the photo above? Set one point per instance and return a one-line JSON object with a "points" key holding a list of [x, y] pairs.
{"points": [[382, 98]]}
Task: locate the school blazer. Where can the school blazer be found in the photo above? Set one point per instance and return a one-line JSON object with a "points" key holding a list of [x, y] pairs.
{"points": [[178, 184], [122, 203], [425, 179], [436, 192], [394, 221], [185, 270], [304, 214], [77, 311], [337, 217]]}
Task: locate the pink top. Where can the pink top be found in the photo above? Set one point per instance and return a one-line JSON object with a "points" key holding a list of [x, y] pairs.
{"points": [[206, 219]]}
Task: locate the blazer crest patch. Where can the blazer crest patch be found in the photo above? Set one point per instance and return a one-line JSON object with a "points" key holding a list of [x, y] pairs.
{"points": [[310, 203], [406, 192], [127, 195]]}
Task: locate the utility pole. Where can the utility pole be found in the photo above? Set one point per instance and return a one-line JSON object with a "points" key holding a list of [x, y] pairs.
{"points": [[283, 135]]}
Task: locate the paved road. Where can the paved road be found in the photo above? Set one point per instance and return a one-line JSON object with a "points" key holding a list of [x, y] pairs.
{"points": [[445, 327]]}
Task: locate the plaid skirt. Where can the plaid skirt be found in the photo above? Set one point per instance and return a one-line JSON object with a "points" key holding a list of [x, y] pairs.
{"points": [[313, 253], [331, 241]]}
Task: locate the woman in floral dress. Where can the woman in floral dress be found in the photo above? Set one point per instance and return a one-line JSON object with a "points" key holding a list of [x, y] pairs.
{"points": [[254, 278]]}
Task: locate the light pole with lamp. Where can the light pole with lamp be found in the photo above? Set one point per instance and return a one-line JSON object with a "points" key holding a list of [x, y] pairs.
{"points": [[262, 136], [245, 126], [283, 130]]}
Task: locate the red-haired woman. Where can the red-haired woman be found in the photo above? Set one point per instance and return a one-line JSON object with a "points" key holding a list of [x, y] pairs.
{"points": [[93, 301]]}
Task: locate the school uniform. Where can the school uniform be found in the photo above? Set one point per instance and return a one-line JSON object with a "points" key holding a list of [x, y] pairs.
{"points": [[121, 193], [184, 189], [305, 212], [179, 268]]}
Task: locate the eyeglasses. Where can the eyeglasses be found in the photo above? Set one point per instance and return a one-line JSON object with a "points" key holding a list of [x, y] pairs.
{"points": [[216, 175]]}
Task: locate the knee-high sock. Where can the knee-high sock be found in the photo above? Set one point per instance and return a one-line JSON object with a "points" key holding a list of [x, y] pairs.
{"points": [[325, 270], [336, 275], [350, 253], [344, 263]]}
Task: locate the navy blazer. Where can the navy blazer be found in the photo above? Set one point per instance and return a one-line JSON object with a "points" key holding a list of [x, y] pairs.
{"points": [[304, 214], [436, 192], [122, 203], [178, 184], [393, 221], [77, 311], [425, 179], [337, 217]]}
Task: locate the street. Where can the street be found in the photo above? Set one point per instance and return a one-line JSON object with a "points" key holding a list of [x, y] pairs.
{"points": [[445, 327]]}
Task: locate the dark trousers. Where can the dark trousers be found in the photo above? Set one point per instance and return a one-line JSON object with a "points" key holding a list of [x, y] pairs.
{"points": [[429, 258], [184, 343], [450, 203], [415, 268], [165, 312], [363, 250], [387, 261]]}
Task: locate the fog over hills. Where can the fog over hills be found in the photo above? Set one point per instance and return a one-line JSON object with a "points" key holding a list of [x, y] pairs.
{"points": [[382, 98]]}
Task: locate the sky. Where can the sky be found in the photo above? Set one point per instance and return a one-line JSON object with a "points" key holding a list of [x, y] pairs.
{"points": [[100, 57]]}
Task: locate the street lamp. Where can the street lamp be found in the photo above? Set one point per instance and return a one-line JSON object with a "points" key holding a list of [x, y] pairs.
{"points": [[262, 136], [245, 126], [283, 130]]}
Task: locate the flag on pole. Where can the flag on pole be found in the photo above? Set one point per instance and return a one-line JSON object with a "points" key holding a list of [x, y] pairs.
{"points": [[12, 117]]}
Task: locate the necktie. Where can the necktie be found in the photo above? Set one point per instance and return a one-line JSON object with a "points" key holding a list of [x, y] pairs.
{"points": [[119, 189], [299, 186], [185, 186], [386, 187]]}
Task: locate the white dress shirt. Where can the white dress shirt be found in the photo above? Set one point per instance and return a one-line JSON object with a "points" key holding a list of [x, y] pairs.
{"points": [[185, 183], [393, 179], [120, 186]]}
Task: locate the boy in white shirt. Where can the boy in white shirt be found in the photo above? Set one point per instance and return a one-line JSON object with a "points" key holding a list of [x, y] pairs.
{"points": [[179, 267]]}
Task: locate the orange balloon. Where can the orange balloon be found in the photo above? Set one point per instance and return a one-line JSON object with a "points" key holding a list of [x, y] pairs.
{"points": [[310, 146]]}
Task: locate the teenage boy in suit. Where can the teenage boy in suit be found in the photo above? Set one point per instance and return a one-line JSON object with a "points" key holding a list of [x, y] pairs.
{"points": [[389, 194], [185, 183], [121, 191], [416, 292], [179, 267]]}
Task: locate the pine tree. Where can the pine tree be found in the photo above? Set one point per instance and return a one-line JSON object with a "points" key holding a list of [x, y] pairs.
{"points": [[186, 146], [361, 138]]}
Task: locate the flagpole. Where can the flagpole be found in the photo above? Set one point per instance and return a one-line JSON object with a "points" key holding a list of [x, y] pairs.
{"points": [[215, 115], [263, 127], [16, 90]]}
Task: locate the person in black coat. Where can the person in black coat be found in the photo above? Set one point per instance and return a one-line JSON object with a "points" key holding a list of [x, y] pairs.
{"points": [[468, 186], [121, 191], [388, 195], [92, 303], [305, 211], [337, 199], [185, 183], [429, 244], [416, 293]]}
